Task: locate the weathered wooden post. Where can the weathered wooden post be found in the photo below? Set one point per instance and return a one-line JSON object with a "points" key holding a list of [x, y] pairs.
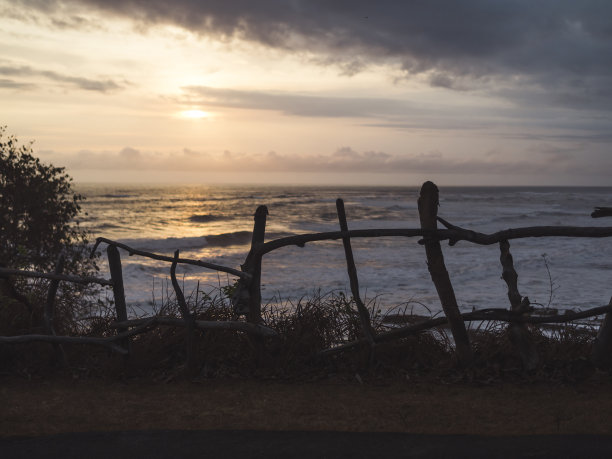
{"points": [[247, 298], [50, 310], [252, 265], [190, 345], [114, 265], [519, 335], [602, 347], [428, 212], [364, 315], [50, 303]]}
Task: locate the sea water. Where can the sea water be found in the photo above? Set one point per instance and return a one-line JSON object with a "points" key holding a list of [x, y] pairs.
{"points": [[214, 224]]}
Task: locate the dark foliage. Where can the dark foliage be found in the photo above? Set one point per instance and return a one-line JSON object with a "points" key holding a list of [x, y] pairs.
{"points": [[38, 208]]}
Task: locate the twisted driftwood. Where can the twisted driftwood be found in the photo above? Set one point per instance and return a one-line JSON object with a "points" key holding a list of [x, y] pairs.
{"points": [[493, 314], [245, 327], [104, 342], [453, 234], [249, 294], [155, 256], [364, 315], [54, 276]]}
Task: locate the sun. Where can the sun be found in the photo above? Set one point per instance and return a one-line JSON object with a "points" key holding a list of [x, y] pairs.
{"points": [[195, 114]]}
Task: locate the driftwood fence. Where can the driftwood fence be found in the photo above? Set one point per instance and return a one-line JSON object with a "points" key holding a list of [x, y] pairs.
{"points": [[246, 299]]}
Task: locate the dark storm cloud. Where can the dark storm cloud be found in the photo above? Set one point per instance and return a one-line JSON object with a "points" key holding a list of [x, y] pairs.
{"points": [[548, 44], [24, 71]]}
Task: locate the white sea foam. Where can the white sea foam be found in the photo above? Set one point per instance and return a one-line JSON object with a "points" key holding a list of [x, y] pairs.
{"points": [[160, 219]]}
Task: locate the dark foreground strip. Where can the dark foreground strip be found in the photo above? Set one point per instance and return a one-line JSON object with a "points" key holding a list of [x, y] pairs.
{"points": [[253, 444]]}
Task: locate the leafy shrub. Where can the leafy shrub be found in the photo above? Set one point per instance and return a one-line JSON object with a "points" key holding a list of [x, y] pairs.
{"points": [[37, 211], [37, 208]]}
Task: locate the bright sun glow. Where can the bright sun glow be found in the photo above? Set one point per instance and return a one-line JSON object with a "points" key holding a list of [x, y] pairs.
{"points": [[195, 114]]}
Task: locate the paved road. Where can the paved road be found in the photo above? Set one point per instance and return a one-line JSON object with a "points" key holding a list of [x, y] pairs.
{"points": [[253, 444]]}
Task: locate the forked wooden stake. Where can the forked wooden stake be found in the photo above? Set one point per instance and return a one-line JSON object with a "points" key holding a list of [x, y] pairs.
{"points": [[188, 318], [428, 212], [364, 315], [60, 355], [602, 348], [519, 335], [252, 265], [114, 265]]}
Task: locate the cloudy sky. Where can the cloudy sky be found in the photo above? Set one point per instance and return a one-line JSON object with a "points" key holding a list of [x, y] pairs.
{"points": [[508, 92]]}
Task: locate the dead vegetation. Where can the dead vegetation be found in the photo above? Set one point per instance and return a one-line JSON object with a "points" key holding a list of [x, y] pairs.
{"points": [[231, 333], [305, 329]]}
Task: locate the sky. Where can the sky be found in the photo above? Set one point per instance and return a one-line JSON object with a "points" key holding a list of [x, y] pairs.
{"points": [[335, 92]]}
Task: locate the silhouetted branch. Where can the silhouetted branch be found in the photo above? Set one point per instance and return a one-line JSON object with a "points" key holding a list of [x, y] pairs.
{"points": [[155, 256], [453, 234], [494, 314], [61, 277], [301, 239], [105, 342], [245, 327]]}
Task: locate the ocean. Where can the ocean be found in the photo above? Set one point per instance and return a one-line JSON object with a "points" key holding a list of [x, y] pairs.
{"points": [[213, 223]]}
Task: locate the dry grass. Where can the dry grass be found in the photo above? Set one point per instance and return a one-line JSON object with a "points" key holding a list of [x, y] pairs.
{"points": [[413, 386], [305, 328]]}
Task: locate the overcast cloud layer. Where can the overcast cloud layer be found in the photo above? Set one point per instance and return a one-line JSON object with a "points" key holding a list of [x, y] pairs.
{"points": [[555, 50], [471, 89]]}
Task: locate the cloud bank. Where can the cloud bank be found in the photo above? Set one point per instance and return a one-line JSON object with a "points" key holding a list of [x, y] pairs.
{"points": [[23, 71], [553, 51], [546, 160]]}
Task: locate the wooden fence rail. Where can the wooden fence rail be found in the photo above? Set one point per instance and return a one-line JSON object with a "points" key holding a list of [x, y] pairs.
{"points": [[155, 256], [247, 298], [4, 272]]}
